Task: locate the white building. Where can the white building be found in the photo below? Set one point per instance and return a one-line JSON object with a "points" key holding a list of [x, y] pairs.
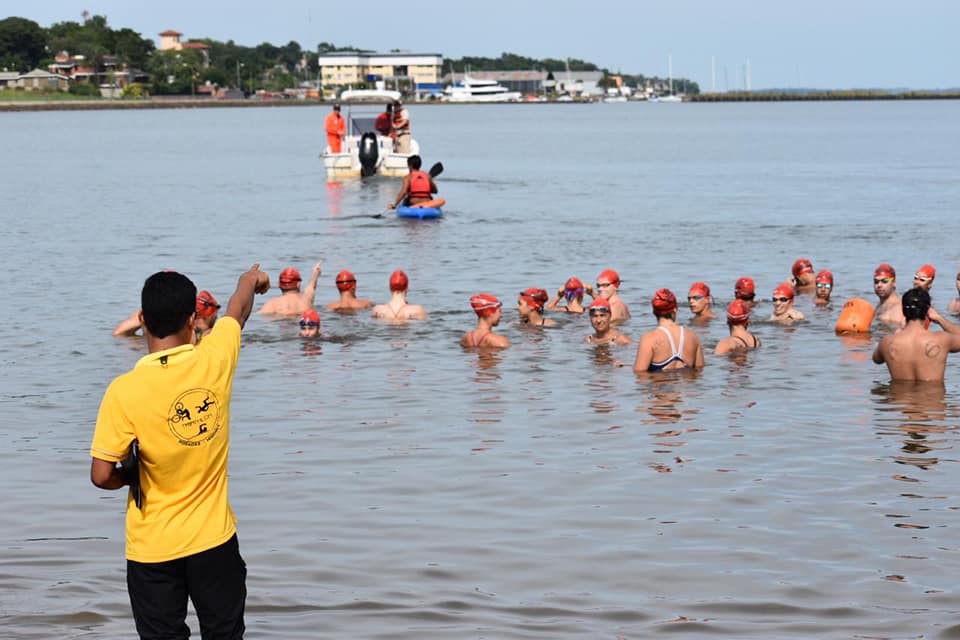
{"points": [[344, 68]]}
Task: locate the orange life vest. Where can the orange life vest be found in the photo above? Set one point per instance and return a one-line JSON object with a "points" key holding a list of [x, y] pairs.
{"points": [[419, 185]]}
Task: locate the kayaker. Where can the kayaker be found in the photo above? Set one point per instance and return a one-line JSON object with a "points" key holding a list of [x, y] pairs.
{"points": [[914, 352], [669, 346], [347, 286], [398, 309], [488, 310], [401, 128], [417, 185], [336, 128], [291, 301]]}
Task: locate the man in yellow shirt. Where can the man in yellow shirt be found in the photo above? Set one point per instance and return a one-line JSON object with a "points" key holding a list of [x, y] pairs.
{"points": [[175, 406]]}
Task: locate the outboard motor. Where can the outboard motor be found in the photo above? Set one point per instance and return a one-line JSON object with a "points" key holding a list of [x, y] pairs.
{"points": [[368, 154]]}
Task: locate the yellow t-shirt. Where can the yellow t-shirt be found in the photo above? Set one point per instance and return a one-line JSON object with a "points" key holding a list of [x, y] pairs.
{"points": [[176, 402]]}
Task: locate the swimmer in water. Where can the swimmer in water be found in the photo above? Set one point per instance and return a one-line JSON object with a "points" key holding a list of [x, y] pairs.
{"points": [[888, 310], [608, 288], [669, 346], [803, 279], [701, 303], [783, 311], [603, 329], [914, 352], [206, 315], [954, 306], [530, 308], [738, 319], [745, 290], [398, 309], [824, 288], [924, 276], [572, 291], [292, 301], [488, 310], [348, 303], [309, 324]]}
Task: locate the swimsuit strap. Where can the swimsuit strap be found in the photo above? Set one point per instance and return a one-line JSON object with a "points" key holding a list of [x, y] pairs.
{"points": [[473, 338], [673, 345]]}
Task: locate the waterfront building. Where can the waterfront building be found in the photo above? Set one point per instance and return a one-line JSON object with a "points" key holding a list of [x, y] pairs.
{"points": [[345, 68], [170, 41]]}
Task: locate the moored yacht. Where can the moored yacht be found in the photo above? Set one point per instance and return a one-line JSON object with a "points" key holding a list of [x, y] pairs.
{"points": [[472, 89]]}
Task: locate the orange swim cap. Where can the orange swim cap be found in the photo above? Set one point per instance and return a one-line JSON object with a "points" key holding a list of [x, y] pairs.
{"points": [[738, 312], [610, 276], [346, 281], [599, 305], [745, 289], [700, 288], [207, 305], [824, 277], [289, 279], [485, 304], [572, 284], [308, 316], [536, 298], [802, 266], [664, 303], [926, 272], [398, 281], [885, 271], [784, 290]]}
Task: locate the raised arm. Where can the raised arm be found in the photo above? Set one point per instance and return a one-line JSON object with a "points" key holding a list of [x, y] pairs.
{"points": [[554, 302], [241, 302], [128, 327], [404, 190], [310, 291], [945, 324]]}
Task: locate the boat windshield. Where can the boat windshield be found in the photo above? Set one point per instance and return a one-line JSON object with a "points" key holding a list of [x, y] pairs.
{"points": [[360, 125]]}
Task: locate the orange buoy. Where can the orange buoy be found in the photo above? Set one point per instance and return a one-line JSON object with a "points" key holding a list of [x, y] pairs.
{"points": [[856, 316], [429, 204]]}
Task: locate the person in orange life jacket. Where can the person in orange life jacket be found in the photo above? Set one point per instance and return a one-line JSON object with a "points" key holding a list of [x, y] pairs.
{"points": [[336, 128], [417, 186], [384, 122]]}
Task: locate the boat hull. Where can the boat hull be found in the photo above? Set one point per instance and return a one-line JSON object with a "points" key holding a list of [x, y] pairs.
{"points": [[346, 165]]}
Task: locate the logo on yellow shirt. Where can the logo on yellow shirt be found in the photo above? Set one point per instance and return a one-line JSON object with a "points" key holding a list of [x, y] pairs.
{"points": [[194, 417]]}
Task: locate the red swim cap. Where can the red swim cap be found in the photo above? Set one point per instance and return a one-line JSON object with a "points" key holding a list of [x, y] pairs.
{"points": [[346, 281], [738, 312], [700, 289], [745, 289], [885, 271], [289, 279], [784, 290], [610, 276], [536, 298], [599, 303], [573, 284], [207, 305], [485, 304], [310, 315], [926, 271], [664, 302], [398, 281], [825, 277], [802, 266]]}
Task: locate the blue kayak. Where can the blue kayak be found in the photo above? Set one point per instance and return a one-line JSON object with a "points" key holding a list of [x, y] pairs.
{"points": [[419, 213]]}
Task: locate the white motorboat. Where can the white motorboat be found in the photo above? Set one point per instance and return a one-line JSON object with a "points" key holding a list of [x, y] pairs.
{"points": [[369, 95], [365, 151], [472, 89]]}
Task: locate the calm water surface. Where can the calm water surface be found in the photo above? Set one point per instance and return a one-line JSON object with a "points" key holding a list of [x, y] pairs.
{"points": [[391, 485]]}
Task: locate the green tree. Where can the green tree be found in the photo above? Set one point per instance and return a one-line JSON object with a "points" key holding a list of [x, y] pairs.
{"points": [[22, 44], [175, 72]]}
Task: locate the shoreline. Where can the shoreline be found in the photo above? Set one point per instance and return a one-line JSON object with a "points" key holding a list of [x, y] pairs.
{"points": [[207, 103]]}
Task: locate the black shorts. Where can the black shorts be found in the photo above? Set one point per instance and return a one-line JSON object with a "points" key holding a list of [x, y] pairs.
{"points": [[215, 580]]}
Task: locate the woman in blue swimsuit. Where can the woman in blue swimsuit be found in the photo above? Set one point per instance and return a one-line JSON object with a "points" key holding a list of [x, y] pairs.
{"points": [[669, 346]]}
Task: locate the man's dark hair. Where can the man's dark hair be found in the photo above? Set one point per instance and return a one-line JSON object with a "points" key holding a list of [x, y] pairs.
{"points": [[915, 304], [414, 162], [167, 300]]}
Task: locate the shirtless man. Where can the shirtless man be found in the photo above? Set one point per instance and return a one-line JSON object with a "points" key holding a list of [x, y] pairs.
{"points": [[573, 291], [398, 309], [954, 306], [915, 353], [530, 308], [417, 185], [803, 278], [783, 311], [738, 319], [309, 324], [701, 303], [888, 310], [924, 276], [824, 288], [745, 290], [488, 310], [669, 346], [608, 288], [206, 315], [348, 302], [291, 301], [603, 329]]}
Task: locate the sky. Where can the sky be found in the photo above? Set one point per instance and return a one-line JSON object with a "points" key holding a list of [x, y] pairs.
{"points": [[829, 44]]}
